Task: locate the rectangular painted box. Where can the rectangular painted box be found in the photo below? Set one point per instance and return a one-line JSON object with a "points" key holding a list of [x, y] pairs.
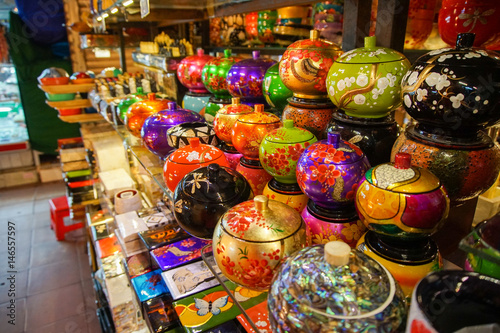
{"points": [[178, 253]]}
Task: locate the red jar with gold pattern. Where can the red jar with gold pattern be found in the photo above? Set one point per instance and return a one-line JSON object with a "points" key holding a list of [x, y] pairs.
{"points": [[189, 71]]}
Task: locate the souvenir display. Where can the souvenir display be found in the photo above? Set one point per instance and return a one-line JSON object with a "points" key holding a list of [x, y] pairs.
{"points": [[155, 127], [281, 148], [326, 225], [266, 21], [313, 115], [333, 288], [189, 158], [251, 23], [305, 65], [232, 30], [454, 301], [189, 71], [477, 17], [365, 82], [138, 112], [154, 238], [245, 77], [252, 238], [53, 76], [203, 195], [149, 285], [275, 92], [178, 253], [81, 78], [212, 307], [226, 117], [112, 265], [189, 279], [122, 107], [289, 194], [329, 170], [401, 201], [483, 247], [178, 136], [327, 18], [214, 74], [160, 314]]}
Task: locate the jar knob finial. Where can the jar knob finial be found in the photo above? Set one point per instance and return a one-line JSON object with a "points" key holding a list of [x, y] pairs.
{"points": [[259, 107], [337, 253], [333, 139], [465, 40], [260, 202], [213, 172], [200, 52], [255, 54], [370, 42], [288, 123], [314, 34], [235, 100], [151, 96], [227, 53], [402, 161], [194, 142], [172, 105]]}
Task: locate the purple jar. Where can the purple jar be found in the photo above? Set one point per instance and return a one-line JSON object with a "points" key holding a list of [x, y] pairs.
{"points": [[154, 130], [329, 170], [244, 79]]}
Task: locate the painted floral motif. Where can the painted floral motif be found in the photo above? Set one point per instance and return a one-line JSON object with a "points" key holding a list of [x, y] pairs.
{"points": [[324, 153], [325, 174], [246, 86], [354, 231], [240, 218], [284, 160], [471, 19]]}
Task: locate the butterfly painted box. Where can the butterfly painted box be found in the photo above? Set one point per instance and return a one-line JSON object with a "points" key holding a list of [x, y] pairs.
{"points": [[149, 285], [178, 253], [160, 314], [189, 279], [259, 314], [154, 238], [212, 307]]}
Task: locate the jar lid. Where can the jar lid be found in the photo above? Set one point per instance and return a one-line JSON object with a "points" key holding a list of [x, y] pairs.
{"points": [[259, 116], [314, 43], [463, 55], [370, 54], [261, 220], [402, 177], [334, 150], [195, 153], [256, 61], [215, 184], [174, 115], [235, 107], [335, 281], [289, 134]]}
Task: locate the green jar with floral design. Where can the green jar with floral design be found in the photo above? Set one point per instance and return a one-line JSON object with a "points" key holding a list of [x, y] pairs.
{"points": [[214, 74], [366, 82], [275, 92]]}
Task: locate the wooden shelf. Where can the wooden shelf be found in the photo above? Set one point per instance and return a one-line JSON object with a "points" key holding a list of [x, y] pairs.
{"points": [[82, 118], [67, 88], [74, 104]]}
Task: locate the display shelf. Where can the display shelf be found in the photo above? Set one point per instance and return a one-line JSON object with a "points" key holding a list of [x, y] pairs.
{"points": [[82, 118], [73, 104], [67, 88]]}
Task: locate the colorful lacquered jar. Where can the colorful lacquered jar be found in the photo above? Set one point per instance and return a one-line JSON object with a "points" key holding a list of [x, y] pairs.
{"points": [[189, 71], [455, 91], [275, 92], [214, 74], [250, 129], [226, 117], [213, 106], [305, 65], [281, 148], [366, 82], [245, 78], [312, 115], [401, 200], [252, 238], [138, 112], [289, 194], [466, 170], [408, 262], [154, 130], [331, 288], [122, 107], [326, 225], [465, 16], [203, 195], [179, 135], [189, 158], [329, 170]]}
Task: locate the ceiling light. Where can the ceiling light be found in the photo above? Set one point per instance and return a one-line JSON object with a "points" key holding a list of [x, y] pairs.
{"points": [[128, 3], [114, 10], [105, 15]]}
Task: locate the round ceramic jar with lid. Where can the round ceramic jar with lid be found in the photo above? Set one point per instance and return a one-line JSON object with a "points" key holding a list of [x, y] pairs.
{"points": [[281, 148], [203, 195], [189, 158], [305, 64], [275, 92], [245, 78], [251, 128], [252, 238], [329, 170], [154, 130], [179, 135], [121, 109], [366, 82], [214, 74], [138, 112], [331, 288], [189, 71], [400, 200], [226, 118], [454, 90]]}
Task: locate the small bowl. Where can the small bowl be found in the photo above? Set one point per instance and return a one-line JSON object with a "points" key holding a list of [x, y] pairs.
{"points": [[82, 81], [53, 81], [60, 97], [69, 112]]}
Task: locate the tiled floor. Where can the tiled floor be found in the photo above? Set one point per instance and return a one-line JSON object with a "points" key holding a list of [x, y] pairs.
{"points": [[53, 286]]}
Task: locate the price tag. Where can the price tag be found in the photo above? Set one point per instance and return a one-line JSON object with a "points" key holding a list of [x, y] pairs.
{"points": [[102, 53], [144, 8]]}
